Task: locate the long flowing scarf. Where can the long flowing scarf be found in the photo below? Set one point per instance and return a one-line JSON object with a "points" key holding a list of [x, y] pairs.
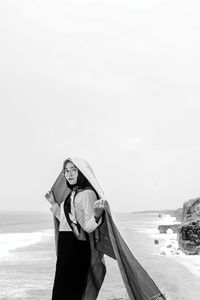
{"points": [[106, 239]]}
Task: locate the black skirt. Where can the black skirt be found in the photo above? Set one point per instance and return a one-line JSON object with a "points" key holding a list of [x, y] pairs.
{"points": [[72, 267]]}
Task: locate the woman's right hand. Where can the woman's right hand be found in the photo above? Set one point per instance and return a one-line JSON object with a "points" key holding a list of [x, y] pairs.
{"points": [[50, 198], [99, 206]]}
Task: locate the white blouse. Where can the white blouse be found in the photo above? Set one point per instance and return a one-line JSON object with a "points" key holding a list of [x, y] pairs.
{"points": [[81, 211]]}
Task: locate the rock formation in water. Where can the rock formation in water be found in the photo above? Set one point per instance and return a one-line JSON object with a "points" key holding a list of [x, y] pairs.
{"points": [[189, 230], [164, 228]]}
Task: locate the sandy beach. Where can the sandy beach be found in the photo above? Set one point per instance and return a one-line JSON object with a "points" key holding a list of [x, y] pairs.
{"points": [[176, 273], [168, 247]]}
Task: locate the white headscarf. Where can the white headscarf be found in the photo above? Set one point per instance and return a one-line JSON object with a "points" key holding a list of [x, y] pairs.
{"points": [[87, 171]]}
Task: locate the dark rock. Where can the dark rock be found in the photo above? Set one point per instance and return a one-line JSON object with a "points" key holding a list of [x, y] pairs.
{"points": [[156, 242], [189, 231]]}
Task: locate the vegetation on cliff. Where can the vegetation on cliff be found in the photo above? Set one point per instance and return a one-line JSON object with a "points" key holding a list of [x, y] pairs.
{"points": [[189, 230]]}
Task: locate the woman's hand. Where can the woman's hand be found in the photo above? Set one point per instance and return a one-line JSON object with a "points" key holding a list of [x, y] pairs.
{"points": [[50, 198], [99, 206]]}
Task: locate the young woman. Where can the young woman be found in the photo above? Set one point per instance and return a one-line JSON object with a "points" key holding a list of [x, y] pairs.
{"points": [[79, 214], [85, 233]]}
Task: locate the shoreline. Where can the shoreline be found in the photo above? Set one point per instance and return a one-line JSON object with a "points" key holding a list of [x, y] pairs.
{"points": [[139, 232], [14, 241]]}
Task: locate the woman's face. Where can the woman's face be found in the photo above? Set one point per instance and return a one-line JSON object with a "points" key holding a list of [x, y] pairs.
{"points": [[71, 173]]}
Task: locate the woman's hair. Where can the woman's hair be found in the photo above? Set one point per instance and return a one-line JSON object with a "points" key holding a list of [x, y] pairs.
{"points": [[82, 181]]}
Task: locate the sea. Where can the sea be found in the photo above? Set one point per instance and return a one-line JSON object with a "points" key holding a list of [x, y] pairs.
{"points": [[27, 257]]}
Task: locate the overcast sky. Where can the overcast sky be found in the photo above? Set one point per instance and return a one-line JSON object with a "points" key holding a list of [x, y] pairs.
{"points": [[115, 82]]}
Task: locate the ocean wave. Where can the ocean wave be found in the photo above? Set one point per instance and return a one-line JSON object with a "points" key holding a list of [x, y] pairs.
{"points": [[11, 241], [149, 231]]}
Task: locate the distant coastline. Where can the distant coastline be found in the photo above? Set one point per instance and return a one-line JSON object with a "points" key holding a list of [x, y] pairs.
{"points": [[165, 211], [177, 213]]}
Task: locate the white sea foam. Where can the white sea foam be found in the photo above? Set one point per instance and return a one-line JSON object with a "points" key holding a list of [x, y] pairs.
{"points": [[11, 241], [166, 220], [168, 244], [167, 241], [170, 248]]}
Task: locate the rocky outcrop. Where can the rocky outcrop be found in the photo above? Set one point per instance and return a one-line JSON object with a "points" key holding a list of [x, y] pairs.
{"points": [[189, 230], [164, 228]]}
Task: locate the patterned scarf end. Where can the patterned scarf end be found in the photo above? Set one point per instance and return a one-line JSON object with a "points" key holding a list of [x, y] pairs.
{"points": [[158, 297]]}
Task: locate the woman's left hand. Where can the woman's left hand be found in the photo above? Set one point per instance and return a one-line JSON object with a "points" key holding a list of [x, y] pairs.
{"points": [[50, 198], [99, 206]]}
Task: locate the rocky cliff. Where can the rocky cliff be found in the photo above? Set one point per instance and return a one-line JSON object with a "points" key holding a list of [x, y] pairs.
{"points": [[189, 230]]}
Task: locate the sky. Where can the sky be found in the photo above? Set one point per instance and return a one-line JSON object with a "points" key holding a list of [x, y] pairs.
{"points": [[114, 82]]}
